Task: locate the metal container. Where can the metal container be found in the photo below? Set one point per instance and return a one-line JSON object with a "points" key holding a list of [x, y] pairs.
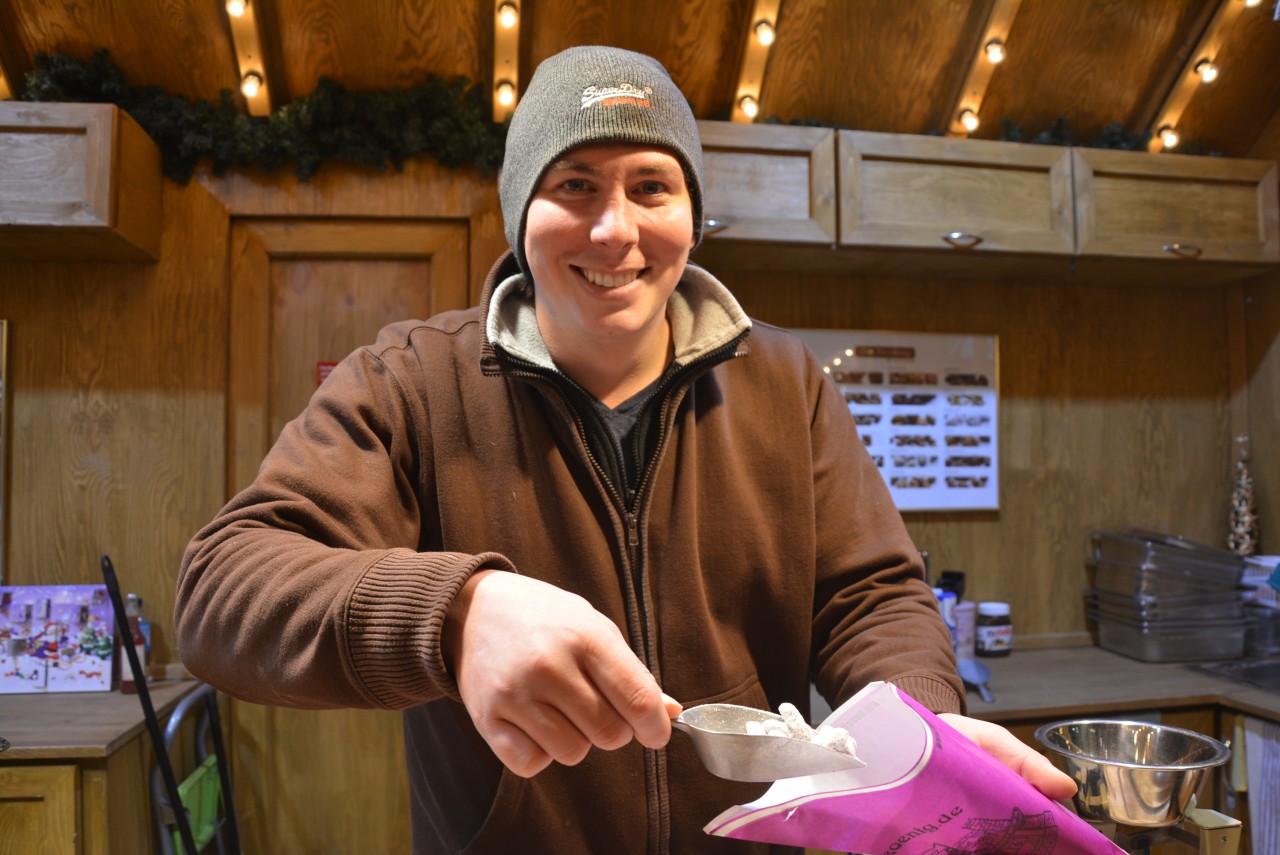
{"points": [[1132, 773], [1146, 583], [1170, 641], [1220, 606], [1170, 555]]}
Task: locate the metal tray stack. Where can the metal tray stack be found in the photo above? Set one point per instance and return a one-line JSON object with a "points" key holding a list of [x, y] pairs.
{"points": [[1160, 598]]}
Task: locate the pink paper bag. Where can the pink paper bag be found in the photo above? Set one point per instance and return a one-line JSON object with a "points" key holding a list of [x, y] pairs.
{"points": [[926, 790]]}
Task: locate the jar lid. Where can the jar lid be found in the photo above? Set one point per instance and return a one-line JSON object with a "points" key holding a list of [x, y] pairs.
{"points": [[993, 609]]}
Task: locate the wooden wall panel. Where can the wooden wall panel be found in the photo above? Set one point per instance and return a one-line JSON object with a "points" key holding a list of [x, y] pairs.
{"points": [[116, 376], [370, 46], [877, 49], [181, 45], [1113, 413]]}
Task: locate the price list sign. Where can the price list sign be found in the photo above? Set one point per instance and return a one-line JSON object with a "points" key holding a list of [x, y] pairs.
{"points": [[925, 405]]}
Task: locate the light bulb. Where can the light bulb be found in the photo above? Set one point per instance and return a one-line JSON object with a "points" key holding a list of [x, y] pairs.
{"points": [[236, 8], [1251, 3], [508, 15], [749, 106], [765, 33], [251, 84], [506, 93], [969, 120], [995, 51], [1207, 70], [1168, 136]]}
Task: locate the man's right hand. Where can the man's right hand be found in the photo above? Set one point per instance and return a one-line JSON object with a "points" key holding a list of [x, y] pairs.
{"points": [[545, 676]]}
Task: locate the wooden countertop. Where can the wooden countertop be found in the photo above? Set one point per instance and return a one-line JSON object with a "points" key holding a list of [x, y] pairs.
{"points": [[79, 724], [1072, 681], [1027, 685]]}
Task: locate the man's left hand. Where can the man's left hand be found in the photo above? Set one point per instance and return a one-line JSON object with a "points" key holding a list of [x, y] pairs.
{"points": [[1015, 754]]}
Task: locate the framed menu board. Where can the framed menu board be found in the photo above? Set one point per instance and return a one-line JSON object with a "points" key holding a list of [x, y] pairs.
{"points": [[926, 409]]}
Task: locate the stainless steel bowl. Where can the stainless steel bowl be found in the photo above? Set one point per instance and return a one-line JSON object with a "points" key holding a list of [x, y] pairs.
{"points": [[1132, 772]]}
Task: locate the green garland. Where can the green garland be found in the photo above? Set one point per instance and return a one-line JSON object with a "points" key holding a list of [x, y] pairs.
{"points": [[442, 118]]}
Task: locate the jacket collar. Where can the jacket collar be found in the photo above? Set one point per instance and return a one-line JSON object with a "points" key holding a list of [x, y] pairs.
{"points": [[704, 316]]}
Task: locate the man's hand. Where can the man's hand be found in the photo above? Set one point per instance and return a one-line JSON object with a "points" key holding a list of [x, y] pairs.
{"points": [[1012, 752], [545, 676]]}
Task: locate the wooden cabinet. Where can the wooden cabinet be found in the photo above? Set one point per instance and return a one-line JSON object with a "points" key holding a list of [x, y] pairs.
{"points": [[909, 205], [76, 779], [77, 182], [1173, 208], [938, 193], [769, 183], [39, 809]]}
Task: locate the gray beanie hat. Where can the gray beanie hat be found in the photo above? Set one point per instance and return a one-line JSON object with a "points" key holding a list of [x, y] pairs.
{"points": [[594, 94]]}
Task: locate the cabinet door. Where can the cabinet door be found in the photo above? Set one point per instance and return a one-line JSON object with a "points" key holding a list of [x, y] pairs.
{"points": [[38, 810], [769, 183], [1175, 207], [901, 190]]}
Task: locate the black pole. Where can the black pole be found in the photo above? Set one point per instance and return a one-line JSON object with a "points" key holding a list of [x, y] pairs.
{"points": [[149, 711], [224, 774]]}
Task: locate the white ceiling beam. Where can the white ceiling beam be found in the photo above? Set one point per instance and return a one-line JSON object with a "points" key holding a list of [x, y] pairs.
{"points": [[246, 36], [507, 17], [1187, 80], [755, 58], [981, 67]]}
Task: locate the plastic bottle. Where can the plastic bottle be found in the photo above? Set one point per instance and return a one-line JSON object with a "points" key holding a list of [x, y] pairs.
{"points": [[947, 606], [132, 611], [144, 624], [966, 629]]}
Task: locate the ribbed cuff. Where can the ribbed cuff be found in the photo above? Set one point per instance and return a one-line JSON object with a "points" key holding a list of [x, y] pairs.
{"points": [[395, 619], [933, 694]]}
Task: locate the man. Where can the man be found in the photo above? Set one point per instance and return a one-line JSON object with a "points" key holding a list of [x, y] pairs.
{"points": [[541, 525]]}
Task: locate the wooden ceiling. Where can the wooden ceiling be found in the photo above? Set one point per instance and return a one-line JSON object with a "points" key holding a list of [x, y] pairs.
{"points": [[880, 65]]}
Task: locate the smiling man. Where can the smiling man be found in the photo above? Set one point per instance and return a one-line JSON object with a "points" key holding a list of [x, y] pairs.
{"points": [[535, 524], [607, 236]]}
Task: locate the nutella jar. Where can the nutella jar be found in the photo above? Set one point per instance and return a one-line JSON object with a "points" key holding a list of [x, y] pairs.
{"points": [[994, 629]]}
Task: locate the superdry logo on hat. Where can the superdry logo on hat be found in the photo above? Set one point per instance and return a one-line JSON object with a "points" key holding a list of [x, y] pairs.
{"points": [[623, 93]]}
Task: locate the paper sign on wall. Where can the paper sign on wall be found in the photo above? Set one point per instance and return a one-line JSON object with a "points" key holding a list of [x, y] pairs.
{"points": [[926, 406]]}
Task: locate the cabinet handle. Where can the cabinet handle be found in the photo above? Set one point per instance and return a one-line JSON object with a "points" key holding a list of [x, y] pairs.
{"points": [[962, 240], [1183, 250], [713, 225]]}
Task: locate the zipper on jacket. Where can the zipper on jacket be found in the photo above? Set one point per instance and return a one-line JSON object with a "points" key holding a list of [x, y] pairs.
{"points": [[633, 531], [630, 510]]}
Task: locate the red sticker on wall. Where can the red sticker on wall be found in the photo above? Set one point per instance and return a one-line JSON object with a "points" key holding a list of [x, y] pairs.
{"points": [[323, 369]]}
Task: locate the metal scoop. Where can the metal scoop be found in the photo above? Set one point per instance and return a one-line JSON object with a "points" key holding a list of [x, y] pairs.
{"points": [[719, 734]]}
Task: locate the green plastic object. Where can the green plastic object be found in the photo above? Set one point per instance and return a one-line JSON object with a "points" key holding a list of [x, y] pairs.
{"points": [[201, 794]]}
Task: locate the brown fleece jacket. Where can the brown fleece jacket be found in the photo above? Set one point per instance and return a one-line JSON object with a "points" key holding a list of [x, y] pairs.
{"points": [[764, 551]]}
